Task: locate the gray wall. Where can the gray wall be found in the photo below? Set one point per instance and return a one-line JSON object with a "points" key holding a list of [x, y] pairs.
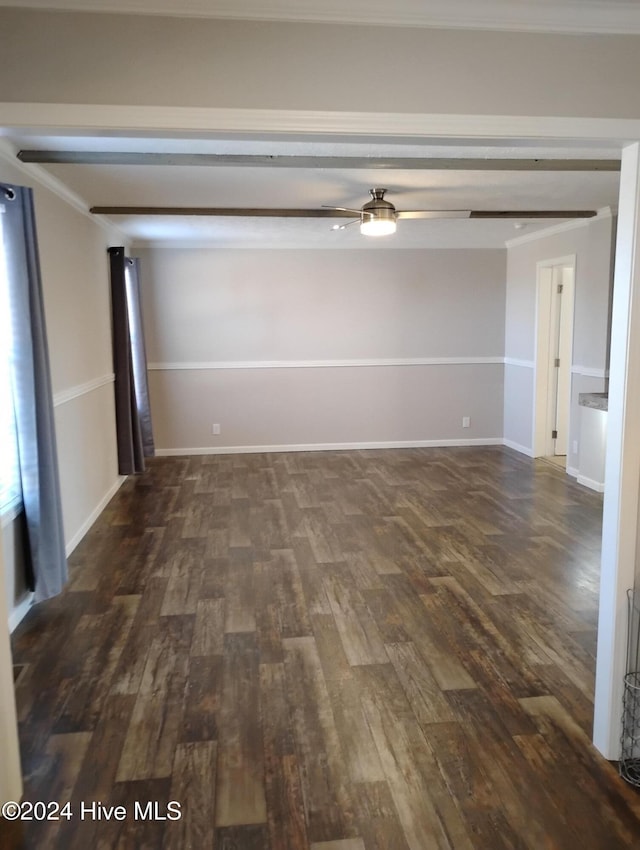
{"points": [[591, 243], [307, 348], [219, 63]]}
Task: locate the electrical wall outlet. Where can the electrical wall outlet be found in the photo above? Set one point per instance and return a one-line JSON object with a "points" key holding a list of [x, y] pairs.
{"points": [[466, 421], [215, 429]]}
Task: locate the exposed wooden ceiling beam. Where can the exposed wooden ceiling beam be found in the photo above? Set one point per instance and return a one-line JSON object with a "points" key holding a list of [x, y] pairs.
{"points": [[345, 162], [265, 212]]}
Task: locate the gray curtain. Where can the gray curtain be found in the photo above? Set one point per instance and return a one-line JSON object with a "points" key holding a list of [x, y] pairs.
{"points": [[133, 412], [33, 397]]}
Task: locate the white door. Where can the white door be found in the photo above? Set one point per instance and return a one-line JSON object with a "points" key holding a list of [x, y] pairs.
{"points": [[561, 338], [553, 356]]}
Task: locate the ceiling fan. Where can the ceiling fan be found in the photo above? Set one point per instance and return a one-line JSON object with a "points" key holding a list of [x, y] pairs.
{"points": [[378, 217]]}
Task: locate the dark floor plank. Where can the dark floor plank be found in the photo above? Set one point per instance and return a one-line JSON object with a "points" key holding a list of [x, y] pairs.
{"points": [[202, 699], [358, 631], [193, 788], [240, 796], [242, 838], [324, 785], [283, 787], [157, 717], [377, 817], [208, 634], [239, 592], [427, 813]]}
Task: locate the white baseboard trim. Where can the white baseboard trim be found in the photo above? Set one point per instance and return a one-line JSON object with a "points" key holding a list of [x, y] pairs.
{"points": [[598, 486], [572, 471], [95, 513], [20, 611], [327, 447], [517, 447]]}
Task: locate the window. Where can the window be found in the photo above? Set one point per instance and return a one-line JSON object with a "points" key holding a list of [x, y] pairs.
{"points": [[10, 490]]}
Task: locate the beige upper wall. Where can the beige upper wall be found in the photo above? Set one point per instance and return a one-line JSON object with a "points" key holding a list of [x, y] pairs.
{"points": [[109, 59], [74, 263], [77, 297], [217, 305]]}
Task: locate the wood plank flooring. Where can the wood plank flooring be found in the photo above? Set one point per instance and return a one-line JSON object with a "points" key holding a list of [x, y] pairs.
{"points": [[371, 650]]}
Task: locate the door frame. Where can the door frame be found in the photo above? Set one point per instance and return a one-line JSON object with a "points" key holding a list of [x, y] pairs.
{"points": [[542, 440]]}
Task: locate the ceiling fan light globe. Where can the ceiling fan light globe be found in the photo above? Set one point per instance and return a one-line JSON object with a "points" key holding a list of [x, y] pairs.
{"points": [[378, 227]]}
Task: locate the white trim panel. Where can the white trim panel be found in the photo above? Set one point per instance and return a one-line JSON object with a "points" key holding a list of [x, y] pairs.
{"points": [[598, 486], [523, 364], [328, 447], [186, 119], [64, 396], [95, 513], [588, 372], [323, 364], [517, 447], [11, 512], [21, 610]]}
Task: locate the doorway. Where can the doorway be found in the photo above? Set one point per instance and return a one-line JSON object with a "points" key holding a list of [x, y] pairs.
{"points": [[554, 348]]}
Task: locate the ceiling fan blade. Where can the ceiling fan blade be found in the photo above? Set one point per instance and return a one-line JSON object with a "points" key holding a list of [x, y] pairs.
{"points": [[521, 214], [434, 214], [341, 209]]}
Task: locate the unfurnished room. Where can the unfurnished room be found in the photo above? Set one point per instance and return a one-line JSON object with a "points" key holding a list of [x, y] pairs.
{"points": [[319, 472]]}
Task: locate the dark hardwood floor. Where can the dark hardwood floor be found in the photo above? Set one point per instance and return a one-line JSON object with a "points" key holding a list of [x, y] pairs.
{"points": [[376, 650]]}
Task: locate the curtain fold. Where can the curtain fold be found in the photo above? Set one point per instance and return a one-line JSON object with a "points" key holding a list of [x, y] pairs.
{"points": [[133, 415], [33, 397], [139, 354]]}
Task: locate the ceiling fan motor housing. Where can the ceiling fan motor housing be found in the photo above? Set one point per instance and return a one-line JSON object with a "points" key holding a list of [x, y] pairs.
{"points": [[377, 208]]}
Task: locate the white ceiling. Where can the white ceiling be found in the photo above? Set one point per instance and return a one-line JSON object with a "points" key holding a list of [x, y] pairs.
{"points": [[311, 188]]}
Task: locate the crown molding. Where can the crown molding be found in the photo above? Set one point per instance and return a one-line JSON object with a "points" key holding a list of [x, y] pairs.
{"points": [[8, 154], [548, 231], [604, 212], [564, 16]]}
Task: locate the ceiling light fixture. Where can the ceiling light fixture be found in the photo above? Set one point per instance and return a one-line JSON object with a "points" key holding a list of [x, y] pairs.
{"points": [[378, 215]]}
